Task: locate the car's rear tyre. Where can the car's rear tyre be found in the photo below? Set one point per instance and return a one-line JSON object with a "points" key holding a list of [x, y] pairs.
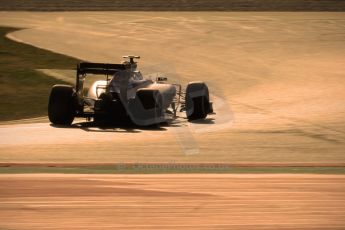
{"points": [[62, 105], [197, 101]]}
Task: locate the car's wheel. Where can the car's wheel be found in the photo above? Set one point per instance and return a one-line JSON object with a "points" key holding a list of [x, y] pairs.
{"points": [[197, 101], [62, 105], [200, 108]]}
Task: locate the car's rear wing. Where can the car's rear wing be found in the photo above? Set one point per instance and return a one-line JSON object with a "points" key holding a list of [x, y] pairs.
{"points": [[99, 68], [84, 68]]}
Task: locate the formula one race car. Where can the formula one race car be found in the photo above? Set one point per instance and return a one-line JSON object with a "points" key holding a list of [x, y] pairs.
{"points": [[125, 94]]}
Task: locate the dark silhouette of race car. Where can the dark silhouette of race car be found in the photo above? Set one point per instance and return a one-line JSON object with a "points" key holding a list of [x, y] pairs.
{"points": [[126, 94]]}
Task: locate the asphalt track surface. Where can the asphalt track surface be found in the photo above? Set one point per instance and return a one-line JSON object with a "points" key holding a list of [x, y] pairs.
{"points": [[201, 201]]}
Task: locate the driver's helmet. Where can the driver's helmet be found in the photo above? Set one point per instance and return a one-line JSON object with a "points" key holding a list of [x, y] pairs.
{"points": [[136, 75]]}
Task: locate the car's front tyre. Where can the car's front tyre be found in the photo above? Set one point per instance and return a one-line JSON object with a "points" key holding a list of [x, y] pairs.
{"points": [[197, 101]]}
